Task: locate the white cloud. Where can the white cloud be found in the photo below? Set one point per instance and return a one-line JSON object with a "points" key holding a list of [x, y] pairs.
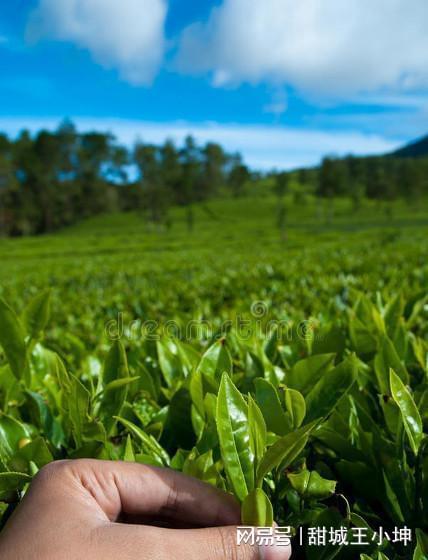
{"points": [[278, 104], [393, 124], [263, 147], [415, 102], [321, 47], [124, 34]]}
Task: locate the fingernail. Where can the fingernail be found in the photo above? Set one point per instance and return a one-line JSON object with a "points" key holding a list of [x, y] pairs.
{"points": [[274, 552]]}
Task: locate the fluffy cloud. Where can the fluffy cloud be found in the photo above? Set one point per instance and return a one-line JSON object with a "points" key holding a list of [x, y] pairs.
{"points": [[322, 47], [263, 147], [123, 34]]}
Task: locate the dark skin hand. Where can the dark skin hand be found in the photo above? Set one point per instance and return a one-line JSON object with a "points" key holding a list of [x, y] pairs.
{"points": [[104, 510]]}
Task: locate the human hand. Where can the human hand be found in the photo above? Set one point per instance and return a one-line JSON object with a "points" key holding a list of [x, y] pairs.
{"points": [[105, 510]]}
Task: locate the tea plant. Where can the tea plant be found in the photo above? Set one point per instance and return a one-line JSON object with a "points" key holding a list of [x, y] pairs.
{"points": [[320, 431], [320, 424]]}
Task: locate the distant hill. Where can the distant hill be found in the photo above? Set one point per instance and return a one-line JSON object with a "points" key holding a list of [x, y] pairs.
{"points": [[418, 148]]}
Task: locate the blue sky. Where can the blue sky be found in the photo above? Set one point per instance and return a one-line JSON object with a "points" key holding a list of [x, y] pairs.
{"points": [[282, 81]]}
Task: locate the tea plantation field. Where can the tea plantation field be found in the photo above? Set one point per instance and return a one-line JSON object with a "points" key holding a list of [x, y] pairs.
{"points": [[289, 369]]}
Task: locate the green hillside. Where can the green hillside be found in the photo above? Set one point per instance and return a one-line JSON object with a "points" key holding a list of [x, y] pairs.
{"points": [[416, 149], [119, 261], [52, 180]]}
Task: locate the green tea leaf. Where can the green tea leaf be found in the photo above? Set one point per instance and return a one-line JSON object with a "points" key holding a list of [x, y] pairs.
{"points": [[234, 437], [13, 481], [216, 360], [11, 433], [422, 540], [120, 383], [149, 443], [169, 362], [309, 484], [196, 389], [284, 451], [418, 554], [385, 359], [306, 373], [363, 341], [35, 452], [393, 314], [330, 389], [256, 509], [258, 433], [36, 314], [128, 454], [146, 459], [75, 401], [268, 400], [178, 429], [409, 412], [115, 365], [202, 467], [296, 406], [12, 340], [116, 381], [392, 498]]}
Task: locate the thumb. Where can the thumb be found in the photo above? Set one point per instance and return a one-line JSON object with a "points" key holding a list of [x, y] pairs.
{"points": [[214, 543], [247, 543]]}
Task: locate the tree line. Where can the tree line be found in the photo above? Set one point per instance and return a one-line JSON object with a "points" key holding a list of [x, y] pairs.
{"points": [[383, 178], [54, 179]]}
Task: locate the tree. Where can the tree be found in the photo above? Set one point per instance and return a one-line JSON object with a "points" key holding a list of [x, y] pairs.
{"points": [[171, 172], [156, 196], [281, 187], [410, 180], [213, 169], [332, 181], [190, 177], [303, 176], [55, 178], [8, 185], [332, 178], [239, 175]]}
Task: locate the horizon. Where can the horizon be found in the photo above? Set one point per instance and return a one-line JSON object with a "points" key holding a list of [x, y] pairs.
{"points": [[286, 144]]}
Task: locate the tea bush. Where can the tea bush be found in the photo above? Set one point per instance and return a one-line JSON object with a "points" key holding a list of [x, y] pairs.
{"points": [[302, 386]]}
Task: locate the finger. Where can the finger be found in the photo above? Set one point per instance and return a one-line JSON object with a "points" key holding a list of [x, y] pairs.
{"points": [[133, 489], [128, 542]]}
